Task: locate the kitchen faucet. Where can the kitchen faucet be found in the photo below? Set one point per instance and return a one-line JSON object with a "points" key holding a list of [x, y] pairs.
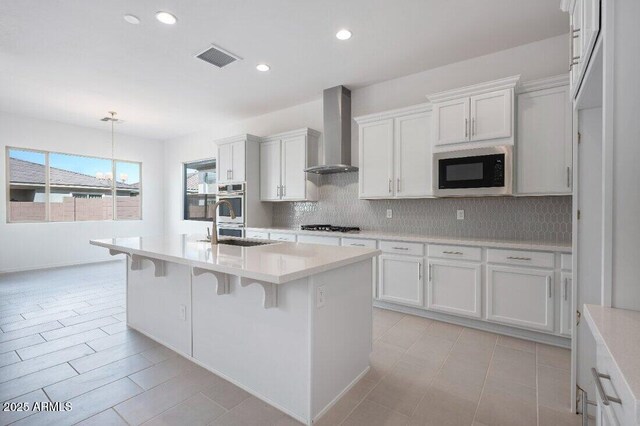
{"points": [[214, 235]]}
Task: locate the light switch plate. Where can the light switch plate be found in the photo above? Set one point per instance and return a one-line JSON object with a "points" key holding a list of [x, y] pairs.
{"points": [[389, 213], [320, 296], [460, 214]]}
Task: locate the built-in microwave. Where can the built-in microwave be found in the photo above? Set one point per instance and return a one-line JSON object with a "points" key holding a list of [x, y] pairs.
{"points": [[473, 172], [235, 195]]}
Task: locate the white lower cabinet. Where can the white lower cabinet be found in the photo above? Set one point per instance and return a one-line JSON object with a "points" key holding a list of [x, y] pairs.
{"points": [[521, 297], [455, 287], [401, 279], [566, 319]]}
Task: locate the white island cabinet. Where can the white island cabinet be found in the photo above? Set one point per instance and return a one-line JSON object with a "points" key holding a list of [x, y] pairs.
{"points": [[289, 323]]}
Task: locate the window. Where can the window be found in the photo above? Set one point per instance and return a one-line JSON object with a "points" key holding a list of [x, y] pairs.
{"points": [[199, 189], [57, 187]]}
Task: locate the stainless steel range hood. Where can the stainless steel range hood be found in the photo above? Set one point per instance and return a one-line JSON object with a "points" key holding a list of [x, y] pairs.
{"points": [[335, 154]]}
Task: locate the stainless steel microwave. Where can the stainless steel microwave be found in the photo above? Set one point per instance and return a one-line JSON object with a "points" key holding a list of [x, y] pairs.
{"points": [[473, 172]]}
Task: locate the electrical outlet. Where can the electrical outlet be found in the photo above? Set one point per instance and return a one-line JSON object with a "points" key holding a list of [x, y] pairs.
{"points": [[389, 213], [320, 296], [183, 313], [460, 215]]}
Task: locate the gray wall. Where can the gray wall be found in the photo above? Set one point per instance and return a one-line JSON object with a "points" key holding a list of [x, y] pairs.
{"points": [[544, 219]]}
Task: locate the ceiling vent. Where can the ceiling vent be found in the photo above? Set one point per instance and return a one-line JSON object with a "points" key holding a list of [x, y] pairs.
{"points": [[218, 57]]}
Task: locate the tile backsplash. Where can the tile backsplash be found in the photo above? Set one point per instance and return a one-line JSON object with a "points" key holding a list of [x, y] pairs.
{"points": [[544, 219]]}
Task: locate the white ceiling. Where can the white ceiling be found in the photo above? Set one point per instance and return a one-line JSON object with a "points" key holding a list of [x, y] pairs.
{"points": [[73, 60]]}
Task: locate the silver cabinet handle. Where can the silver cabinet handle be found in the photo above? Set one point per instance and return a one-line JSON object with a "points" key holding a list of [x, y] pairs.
{"points": [[398, 184], [568, 177], [518, 258], [429, 272], [278, 191], [390, 185], [284, 190], [466, 127], [459, 253], [419, 271], [570, 47], [565, 289], [603, 395], [231, 171], [357, 245], [549, 286], [400, 248], [473, 126]]}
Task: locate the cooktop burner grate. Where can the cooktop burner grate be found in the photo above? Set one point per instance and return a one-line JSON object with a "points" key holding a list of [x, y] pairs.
{"points": [[330, 228]]}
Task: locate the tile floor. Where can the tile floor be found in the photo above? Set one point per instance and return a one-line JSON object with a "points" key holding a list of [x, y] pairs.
{"points": [[64, 339]]}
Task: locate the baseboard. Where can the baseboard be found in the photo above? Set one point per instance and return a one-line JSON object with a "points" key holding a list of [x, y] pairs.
{"points": [[341, 394], [56, 266], [547, 339], [224, 376]]}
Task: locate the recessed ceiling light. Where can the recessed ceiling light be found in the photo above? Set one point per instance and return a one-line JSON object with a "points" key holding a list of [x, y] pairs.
{"points": [[132, 19], [263, 67], [343, 35], [166, 18]]}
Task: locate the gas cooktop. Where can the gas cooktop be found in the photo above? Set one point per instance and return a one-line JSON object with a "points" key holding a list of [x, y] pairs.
{"points": [[330, 228]]}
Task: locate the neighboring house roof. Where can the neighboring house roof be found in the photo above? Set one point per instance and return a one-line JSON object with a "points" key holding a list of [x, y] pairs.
{"points": [[26, 172], [192, 182]]}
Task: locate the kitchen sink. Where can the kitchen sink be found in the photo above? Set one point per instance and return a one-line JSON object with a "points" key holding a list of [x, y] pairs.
{"points": [[239, 243]]}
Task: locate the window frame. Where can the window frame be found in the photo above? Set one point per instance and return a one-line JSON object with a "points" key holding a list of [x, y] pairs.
{"points": [[184, 188], [47, 192]]}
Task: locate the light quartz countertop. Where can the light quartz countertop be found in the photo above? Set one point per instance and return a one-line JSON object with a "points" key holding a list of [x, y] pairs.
{"points": [[618, 331], [277, 263], [475, 242]]}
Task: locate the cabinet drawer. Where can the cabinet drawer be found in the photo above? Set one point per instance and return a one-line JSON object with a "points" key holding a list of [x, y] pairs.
{"points": [[257, 235], [455, 252], [397, 247], [282, 237], [518, 257], [317, 239], [357, 242], [566, 262]]}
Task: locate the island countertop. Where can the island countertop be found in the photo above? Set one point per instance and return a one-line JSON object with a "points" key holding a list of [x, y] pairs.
{"points": [[277, 263]]}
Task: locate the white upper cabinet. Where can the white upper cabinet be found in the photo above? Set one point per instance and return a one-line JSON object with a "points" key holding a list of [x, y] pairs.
{"points": [[395, 153], [270, 171], [294, 161], [413, 155], [584, 20], [491, 115], [283, 159], [451, 121], [472, 114], [376, 164], [231, 160], [543, 141]]}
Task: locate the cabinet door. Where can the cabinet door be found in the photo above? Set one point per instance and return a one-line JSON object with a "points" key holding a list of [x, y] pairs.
{"points": [[413, 162], [294, 156], [451, 121], [544, 142], [566, 317], [237, 161], [376, 159], [491, 115], [590, 27], [270, 171], [224, 163], [520, 296], [575, 59], [454, 287], [401, 280]]}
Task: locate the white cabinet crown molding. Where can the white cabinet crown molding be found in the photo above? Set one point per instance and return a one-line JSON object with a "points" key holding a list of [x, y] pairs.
{"points": [[292, 133], [376, 116], [476, 89], [543, 83], [238, 138]]}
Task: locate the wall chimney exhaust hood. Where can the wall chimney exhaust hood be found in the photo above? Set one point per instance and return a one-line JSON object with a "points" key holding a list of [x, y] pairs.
{"points": [[335, 154]]}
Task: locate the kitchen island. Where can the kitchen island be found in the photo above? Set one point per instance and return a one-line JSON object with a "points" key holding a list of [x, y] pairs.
{"points": [[288, 322]]}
